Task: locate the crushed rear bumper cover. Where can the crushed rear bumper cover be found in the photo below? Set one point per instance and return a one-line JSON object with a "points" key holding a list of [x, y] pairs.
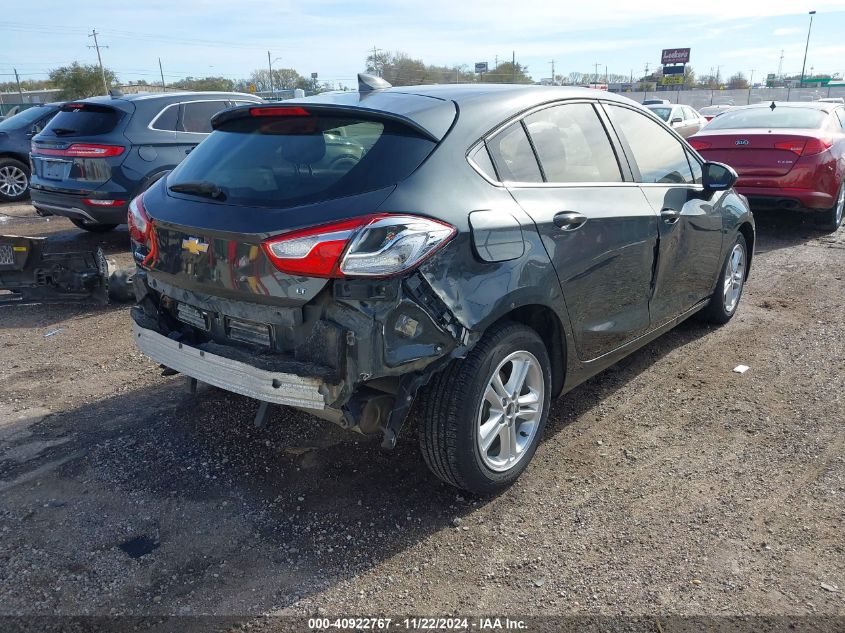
{"points": [[229, 374]]}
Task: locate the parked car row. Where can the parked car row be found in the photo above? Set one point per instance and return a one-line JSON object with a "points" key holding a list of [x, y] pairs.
{"points": [[489, 249]]}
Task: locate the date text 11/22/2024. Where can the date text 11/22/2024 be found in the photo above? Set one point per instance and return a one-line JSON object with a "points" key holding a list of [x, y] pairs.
{"points": [[417, 624]]}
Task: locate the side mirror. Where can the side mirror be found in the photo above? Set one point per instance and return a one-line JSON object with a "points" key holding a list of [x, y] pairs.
{"points": [[718, 176], [677, 120]]}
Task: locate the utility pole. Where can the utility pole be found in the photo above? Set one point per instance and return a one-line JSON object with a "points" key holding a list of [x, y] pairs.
{"points": [[596, 76], [495, 61], [780, 65], [605, 76], [552, 62], [751, 85], [513, 67], [806, 47], [18, 81], [94, 34], [376, 51], [270, 66], [163, 87]]}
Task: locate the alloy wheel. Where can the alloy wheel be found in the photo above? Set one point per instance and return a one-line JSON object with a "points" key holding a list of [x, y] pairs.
{"points": [[510, 411], [734, 277], [840, 205], [13, 181]]}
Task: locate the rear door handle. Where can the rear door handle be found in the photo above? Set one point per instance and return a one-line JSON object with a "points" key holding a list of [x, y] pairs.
{"points": [[670, 216], [569, 220]]}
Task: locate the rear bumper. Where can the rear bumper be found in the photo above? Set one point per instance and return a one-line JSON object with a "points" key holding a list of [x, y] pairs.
{"points": [[72, 206], [232, 375], [763, 198]]}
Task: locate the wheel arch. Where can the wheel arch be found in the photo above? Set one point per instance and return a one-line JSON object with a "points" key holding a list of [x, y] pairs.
{"points": [[546, 322], [21, 158], [747, 232]]}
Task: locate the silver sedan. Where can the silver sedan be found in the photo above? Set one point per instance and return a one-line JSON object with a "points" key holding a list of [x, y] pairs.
{"points": [[683, 119]]}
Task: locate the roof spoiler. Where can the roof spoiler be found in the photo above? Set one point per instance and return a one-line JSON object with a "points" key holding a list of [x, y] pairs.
{"points": [[368, 83]]}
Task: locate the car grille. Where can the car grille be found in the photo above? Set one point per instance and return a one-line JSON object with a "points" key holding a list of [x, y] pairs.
{"points": [[7, 255]]}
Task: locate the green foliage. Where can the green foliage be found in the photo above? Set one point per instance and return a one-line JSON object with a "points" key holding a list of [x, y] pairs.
{"points": [[507, 73], [400, 69], [220, 84], [79, 81], [26, 84]]}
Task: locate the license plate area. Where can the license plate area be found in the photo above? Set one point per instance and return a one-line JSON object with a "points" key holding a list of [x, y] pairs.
{"points": [[53, 169]]}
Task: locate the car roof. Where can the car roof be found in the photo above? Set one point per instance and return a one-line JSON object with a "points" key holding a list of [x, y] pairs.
{"points": [[163, 96], [813, 105], [481, 107]]}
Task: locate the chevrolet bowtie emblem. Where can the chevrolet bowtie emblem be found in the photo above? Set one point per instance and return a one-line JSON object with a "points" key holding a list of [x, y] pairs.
{"points": [[194, 246]]}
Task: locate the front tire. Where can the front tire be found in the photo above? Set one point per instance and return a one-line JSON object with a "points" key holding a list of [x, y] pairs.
{"points": [[93, 227], [831, 219], [725, 298], [483, 416], [14, 180]]}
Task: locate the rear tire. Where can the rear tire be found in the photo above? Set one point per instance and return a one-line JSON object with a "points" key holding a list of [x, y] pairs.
{"points": [[831, 219], [14, 180], [725, 298], [478, 434], [93, 227]]}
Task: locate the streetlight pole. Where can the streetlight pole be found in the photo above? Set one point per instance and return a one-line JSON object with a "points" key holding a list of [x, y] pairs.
{"points": [[270, 66], [807, 46]]}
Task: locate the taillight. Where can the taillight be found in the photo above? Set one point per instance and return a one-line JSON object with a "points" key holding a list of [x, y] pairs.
{"points": [[279, 111], [371, 246], [81, 150], [805, 146], [816, 146], [700, 145], [103, 203], [141, 231]]}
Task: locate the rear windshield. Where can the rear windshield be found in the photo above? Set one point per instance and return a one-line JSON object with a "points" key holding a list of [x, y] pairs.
{"points": [[83, 119], [282, 162], [663, 113], [780, 117], [24, 118]]}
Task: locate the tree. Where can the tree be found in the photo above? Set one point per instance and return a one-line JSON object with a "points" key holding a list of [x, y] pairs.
{"points": [[400, 69], [220, 84], [26, 84], [79, 81], [507, 73], [283, 79], [738, 82]]}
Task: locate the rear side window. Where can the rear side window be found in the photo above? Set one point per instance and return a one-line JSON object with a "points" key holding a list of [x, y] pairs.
{"points": [[481, 159], [512, 154], [166, 120], [83, 119], [660, 157], [780, 117], [572, 144], [196, 115], [287, 161]]}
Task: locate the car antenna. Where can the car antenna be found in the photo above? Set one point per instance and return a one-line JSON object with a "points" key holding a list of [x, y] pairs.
{"points": [[368, 83], [115, 93], [773, 106]]}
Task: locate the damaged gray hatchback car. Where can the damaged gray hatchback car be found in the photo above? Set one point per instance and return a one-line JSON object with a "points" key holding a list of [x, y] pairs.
{"points": [[484, 249]]}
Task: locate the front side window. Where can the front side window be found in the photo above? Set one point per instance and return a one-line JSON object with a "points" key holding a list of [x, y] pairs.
{"points": [[660, 157], [572, 144], [196, 116], [512, 154]]}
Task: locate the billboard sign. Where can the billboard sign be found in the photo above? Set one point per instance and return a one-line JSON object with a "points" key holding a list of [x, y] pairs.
{"points": [[675, 56], [673, 70], [672, 80], [481, 67]]}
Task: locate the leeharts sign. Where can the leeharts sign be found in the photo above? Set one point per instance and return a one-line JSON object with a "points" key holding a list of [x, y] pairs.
{"points": [[675, 56]]}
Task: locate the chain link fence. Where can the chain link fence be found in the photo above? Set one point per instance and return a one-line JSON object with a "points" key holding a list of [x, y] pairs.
{"points": [[702, 97]]}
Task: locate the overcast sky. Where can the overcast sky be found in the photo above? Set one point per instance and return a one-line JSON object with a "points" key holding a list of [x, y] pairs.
{"points": [[200, 38]]}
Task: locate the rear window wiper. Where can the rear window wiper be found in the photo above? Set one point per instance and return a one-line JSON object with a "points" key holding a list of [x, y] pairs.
{"points": [[200, 188]]}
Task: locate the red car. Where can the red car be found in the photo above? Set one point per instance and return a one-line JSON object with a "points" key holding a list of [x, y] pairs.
{"points": [[788, 155]]}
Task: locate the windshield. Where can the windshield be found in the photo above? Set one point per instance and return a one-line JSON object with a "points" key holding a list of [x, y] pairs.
{"points": [[281, 162], [780, 117], [24, 118], [663, 113]]}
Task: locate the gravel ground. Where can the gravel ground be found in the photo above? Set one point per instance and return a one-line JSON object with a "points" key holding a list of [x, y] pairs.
{"points": [[666, 485]]}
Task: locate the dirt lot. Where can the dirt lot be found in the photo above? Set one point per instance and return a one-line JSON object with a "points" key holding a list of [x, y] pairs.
{"points": [[668, 484]]}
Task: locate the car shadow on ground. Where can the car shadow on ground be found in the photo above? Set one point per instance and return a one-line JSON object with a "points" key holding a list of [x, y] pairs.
{"points": [[778, 229], [238, 520]]}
